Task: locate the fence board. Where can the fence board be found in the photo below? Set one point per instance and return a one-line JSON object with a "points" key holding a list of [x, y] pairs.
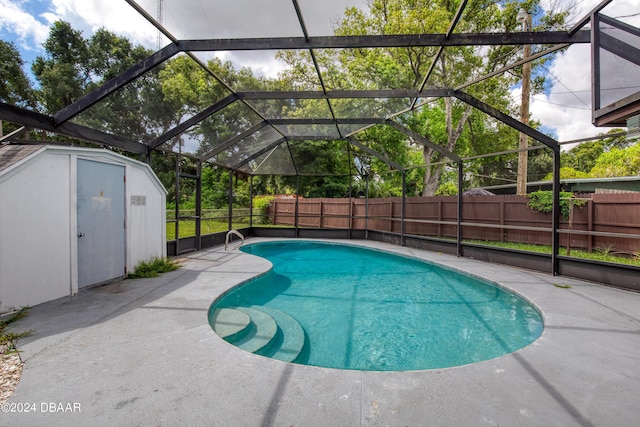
{"points": [[613, 213]]}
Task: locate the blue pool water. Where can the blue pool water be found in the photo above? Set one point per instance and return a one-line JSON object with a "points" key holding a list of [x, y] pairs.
{"points": [[371, 310]]}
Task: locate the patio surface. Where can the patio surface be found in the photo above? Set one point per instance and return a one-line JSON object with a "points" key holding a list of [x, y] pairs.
{"points": [[141, 352]]}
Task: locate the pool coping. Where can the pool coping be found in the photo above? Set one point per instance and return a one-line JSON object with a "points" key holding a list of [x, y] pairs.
{"points": [[141, 352]]}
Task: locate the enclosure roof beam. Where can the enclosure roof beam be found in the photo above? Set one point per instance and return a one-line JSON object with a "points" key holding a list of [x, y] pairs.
{"points": [[384, 40], [375, 154], [259, 153], [15, 134], [616, 45], [233, 140], [326, 121], [454, 22], [513, 65], [115, 83], [328, 42], [182, 127], [32, 119], [581, 23], [314, 138], [422, 140], [506, 119], [342, 94], [314, 60]]}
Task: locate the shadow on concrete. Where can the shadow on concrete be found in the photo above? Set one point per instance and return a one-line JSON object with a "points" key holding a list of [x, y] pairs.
{"points": [[92, 306]]}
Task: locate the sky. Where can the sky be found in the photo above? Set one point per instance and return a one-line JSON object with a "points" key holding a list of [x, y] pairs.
{"points": [[564, 109]]}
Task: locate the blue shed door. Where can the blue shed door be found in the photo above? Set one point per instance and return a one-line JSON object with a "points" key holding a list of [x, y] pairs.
{"points": [[101, 222]]}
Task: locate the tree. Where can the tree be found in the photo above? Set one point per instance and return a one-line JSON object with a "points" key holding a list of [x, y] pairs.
{"points": [[72, 66], [618, 162], [445, 121], [64, 72], [582, 157], [15, 87], [190, 89]]}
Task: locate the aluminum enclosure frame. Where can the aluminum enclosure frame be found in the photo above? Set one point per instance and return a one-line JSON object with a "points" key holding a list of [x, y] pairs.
{"points": [[60, 122]]}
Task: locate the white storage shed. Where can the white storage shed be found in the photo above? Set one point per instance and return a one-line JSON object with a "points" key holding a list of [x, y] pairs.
{"points": [[73, 217]]}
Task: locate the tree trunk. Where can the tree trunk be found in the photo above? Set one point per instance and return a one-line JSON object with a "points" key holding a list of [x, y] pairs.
{"points": [[432, 173]]}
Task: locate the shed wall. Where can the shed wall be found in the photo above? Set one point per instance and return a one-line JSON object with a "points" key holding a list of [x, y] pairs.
{"points": [[35, 233], [38, 223], [146, 229]]}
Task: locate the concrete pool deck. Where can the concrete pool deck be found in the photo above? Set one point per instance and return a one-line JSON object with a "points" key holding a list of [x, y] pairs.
{"points": [[141, 352]]}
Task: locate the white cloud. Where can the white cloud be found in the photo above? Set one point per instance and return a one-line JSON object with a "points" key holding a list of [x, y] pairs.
{"points": [[30, 33], [567, 107], [114, 15]]}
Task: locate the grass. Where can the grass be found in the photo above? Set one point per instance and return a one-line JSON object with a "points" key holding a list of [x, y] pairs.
{"points": [[597, 255], [207, 226], [188, 228], [8, 339], [153, 268]]}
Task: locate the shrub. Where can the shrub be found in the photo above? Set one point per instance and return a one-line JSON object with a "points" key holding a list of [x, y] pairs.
{"points": [[542, 201], [153, 268], [447, 189], [261, 208]]}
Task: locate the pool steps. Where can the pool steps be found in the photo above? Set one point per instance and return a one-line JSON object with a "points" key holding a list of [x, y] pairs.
{"points": [[230, 324], [260, 330]]}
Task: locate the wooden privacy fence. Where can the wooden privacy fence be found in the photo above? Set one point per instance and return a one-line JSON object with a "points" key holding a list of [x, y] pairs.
{"points": [[503, 218]]}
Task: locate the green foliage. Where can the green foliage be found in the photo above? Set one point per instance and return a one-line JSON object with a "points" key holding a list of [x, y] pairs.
{"points": [[153, 268], [567, 173], [542, 201], [577, 253], [604, 250], [260, 209], [15, 87], [582, 157], [215, 188], [448, 123], [64, 73], [9, 338], [447, 189], [618, 162], [540, 162], [608, 157], [72, 66]]}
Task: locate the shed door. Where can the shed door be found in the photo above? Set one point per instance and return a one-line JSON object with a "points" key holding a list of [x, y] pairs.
{"points": [[101, 226]]}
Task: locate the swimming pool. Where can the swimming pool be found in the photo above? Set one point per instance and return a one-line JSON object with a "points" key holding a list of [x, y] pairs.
{"points": [[365, 309]]}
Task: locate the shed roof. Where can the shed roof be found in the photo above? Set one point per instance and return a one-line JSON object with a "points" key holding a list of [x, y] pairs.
{"points": [[11, 154]]}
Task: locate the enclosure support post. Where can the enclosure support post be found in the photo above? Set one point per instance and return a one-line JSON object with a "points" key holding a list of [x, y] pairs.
{"points": [[198, 205], [366, 207], [555, 242], [177, 202], [404, 206], [251, 201], [295, 219], [351, 200], [460, 199], [230, 200]]}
